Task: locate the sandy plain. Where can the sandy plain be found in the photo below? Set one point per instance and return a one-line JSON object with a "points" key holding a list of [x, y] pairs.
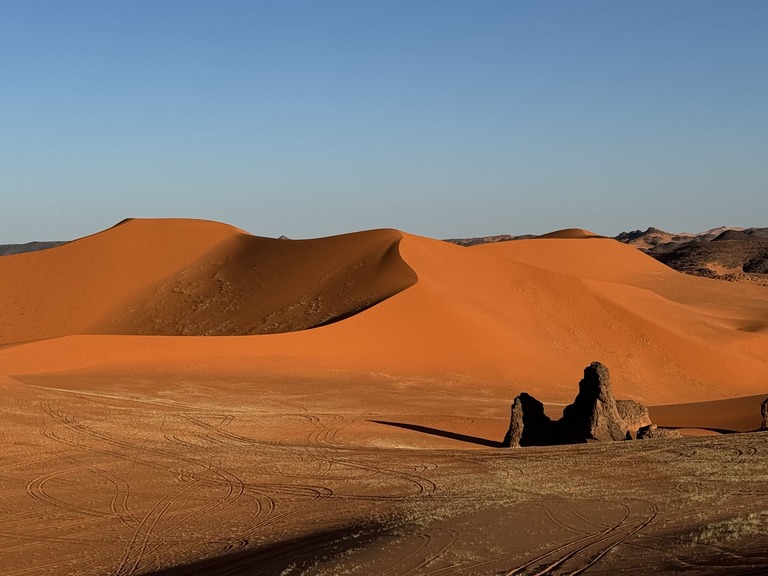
{"points": [[335, 407]]}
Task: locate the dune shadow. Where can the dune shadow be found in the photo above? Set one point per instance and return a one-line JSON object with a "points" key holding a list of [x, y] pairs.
{"points": [[293, 555], [754, 328], [442, 433]]}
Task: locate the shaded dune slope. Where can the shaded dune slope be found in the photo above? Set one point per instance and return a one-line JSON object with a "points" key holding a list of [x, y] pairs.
{"points": [[192, 277], [525, 316]]}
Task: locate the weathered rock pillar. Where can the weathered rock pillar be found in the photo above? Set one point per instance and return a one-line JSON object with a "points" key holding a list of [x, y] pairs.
{"points": [[593, 414], [529, 426]]}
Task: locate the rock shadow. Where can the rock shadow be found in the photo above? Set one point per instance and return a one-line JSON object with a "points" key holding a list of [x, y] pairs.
{"points": [[442, 433]]}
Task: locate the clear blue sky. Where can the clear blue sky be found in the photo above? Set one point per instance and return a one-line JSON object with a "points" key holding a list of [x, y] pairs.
{"points": [[442, 118]]}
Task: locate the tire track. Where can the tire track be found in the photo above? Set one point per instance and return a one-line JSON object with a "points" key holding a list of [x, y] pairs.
{"points": [[139, 541], [580, 542], [151, 527], [118, 508], [551, 515], [233, 484], [424, 486], [392, 569], [235, 489], [448, 536], [629, 534], [605, 537]]}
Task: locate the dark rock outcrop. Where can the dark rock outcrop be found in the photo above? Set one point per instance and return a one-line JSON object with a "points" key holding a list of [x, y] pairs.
{"points": [[528, 424], [764, 414], [594, 415], [652, 431], [516, 425]]}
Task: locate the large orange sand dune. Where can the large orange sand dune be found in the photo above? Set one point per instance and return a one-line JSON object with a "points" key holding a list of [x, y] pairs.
{"points": [[524, 315]]}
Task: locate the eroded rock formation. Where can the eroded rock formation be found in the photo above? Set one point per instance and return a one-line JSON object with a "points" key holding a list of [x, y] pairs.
{"points": [[634, 414], [764, 414], [528, 424], [594, 415]]}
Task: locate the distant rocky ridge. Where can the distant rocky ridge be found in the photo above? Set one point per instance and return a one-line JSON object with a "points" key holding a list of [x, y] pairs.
{"points": [[734, 254], [488, 239], [10, 249]]}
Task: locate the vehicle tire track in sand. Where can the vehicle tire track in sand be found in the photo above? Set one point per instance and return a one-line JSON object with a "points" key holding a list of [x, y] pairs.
{"points": [[80, 429], [312, 493], [424, 486], [91, 397], [392, 570], [325, 435], [629, 534], [119, 503], [555, 520], [233, 484], [610, 537], [434, 546], [745, 454], [234, 487], [323, 466], [140, 539], [589, 539], [148, 531], [118, 507]]}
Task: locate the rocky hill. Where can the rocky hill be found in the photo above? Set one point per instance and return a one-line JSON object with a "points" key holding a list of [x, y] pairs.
{"points": [[487, 239], [734, 254], [9, 249]]}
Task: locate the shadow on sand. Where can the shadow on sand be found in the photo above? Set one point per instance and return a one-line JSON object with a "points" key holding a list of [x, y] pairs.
{"points": [[442, 433], [294, 555], [718, 430]]}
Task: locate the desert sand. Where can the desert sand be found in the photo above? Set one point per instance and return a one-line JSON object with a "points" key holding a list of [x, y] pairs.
{"points": [[181, 397]]}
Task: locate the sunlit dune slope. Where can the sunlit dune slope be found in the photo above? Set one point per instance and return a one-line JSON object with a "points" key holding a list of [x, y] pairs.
{"points": [[525, 315], [182, 277]]}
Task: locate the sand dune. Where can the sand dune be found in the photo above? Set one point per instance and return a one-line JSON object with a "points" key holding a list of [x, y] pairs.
{"points": [[525, 315], [729, 415], [182, 277], [570, 233]]}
